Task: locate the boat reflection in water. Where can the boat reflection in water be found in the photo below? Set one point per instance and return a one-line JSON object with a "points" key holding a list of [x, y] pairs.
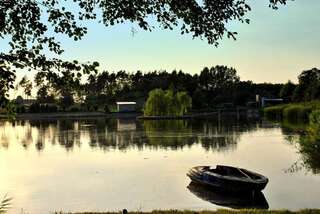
{"points": [[231, 200]]}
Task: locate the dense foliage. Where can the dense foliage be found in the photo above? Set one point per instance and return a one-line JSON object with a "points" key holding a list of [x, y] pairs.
{"points": [[167, 103], [308, 88], [314, 129]]}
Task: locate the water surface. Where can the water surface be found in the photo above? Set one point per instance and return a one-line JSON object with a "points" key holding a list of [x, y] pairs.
{"points": [[108, 165]]}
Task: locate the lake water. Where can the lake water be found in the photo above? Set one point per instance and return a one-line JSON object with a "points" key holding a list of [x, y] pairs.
{"points": [[108, 165]]}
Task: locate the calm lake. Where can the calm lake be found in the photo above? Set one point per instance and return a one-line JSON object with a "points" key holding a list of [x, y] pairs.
{"points": [[108, 165]]}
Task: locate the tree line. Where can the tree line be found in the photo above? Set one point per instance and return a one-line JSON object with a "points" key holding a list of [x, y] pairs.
{"points": [[212, 87], [307, 89]]}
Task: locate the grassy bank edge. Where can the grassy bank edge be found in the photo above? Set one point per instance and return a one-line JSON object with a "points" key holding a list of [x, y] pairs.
{"points": [[220, 211], [292, 112]]}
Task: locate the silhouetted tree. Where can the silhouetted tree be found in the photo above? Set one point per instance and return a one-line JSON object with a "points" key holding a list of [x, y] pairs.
{"points": [[287, 91], [309, 86]]}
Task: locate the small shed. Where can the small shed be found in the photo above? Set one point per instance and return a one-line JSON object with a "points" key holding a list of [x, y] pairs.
{"points": [[270, 101], [126, 106]]}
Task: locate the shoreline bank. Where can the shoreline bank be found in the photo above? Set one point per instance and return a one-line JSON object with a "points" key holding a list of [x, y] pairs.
{"points": [[249, 114], [72, 115], [219, 211]]}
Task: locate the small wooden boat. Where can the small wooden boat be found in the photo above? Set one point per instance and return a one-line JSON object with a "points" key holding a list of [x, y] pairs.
{"points": [[228, 178], [230, 200]]}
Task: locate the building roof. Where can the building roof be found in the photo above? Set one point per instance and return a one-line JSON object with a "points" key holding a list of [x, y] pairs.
{"points": [[126, 103]]}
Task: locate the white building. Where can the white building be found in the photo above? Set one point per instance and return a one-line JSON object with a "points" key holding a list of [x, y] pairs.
{"points": [[126, 106]]}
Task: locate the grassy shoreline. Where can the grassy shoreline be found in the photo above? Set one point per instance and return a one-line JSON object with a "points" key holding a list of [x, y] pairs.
{"points": [[219, 211], [298, 112]]}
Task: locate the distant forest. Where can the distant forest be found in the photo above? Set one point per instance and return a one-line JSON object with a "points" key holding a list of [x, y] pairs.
{"points": [[213, 87]]}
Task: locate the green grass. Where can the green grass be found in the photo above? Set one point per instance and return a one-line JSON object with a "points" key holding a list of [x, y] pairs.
{"points": [[292, 112], [222, 211]]}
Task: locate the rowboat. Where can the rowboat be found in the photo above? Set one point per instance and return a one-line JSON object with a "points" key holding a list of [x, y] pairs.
{"points": [[228, 178]]}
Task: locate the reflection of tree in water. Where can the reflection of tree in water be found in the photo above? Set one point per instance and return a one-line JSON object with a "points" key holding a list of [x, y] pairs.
{"points": [[168, 133], [211, 134], [310, 154], [221, 135], [307, 145], [16, 131], [68, 133], [124, 134]]}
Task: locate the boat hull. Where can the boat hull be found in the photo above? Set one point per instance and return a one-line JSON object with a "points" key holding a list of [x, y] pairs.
{"points": [[226, 183]]}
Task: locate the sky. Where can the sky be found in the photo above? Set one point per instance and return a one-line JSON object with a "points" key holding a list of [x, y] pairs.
{"points": [[275, 47]]}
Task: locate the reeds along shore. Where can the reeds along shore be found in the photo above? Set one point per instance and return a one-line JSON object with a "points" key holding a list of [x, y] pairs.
{"points": [[298, 112]]}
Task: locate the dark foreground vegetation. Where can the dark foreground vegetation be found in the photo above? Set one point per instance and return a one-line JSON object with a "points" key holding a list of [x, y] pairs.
{"points": [[222, 211]]}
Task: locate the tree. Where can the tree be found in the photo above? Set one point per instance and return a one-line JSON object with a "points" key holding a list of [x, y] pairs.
{"points": [[218, 77], [26, 84], [309, 86], [66, 100], [31, 36], [287, 91], [167, 103], [43, 96], [156, 104], [184, 102], [7, 78]]}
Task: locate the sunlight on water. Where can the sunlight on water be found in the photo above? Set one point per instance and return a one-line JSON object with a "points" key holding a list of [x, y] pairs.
{"points": [[99, 165]]}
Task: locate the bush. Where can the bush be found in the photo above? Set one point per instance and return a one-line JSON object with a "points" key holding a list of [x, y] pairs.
{"points": [[297, 112], [314, 128]]}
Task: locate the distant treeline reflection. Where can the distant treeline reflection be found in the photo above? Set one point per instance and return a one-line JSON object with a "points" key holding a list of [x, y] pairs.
{"points": [[123, 134]]}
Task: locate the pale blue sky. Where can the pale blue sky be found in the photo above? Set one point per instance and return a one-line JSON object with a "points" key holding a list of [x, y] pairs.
{"points": [[275, 47]]}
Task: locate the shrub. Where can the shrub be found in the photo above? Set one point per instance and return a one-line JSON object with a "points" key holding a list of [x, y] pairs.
{"points": [[314, 124], [296, 112]]}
